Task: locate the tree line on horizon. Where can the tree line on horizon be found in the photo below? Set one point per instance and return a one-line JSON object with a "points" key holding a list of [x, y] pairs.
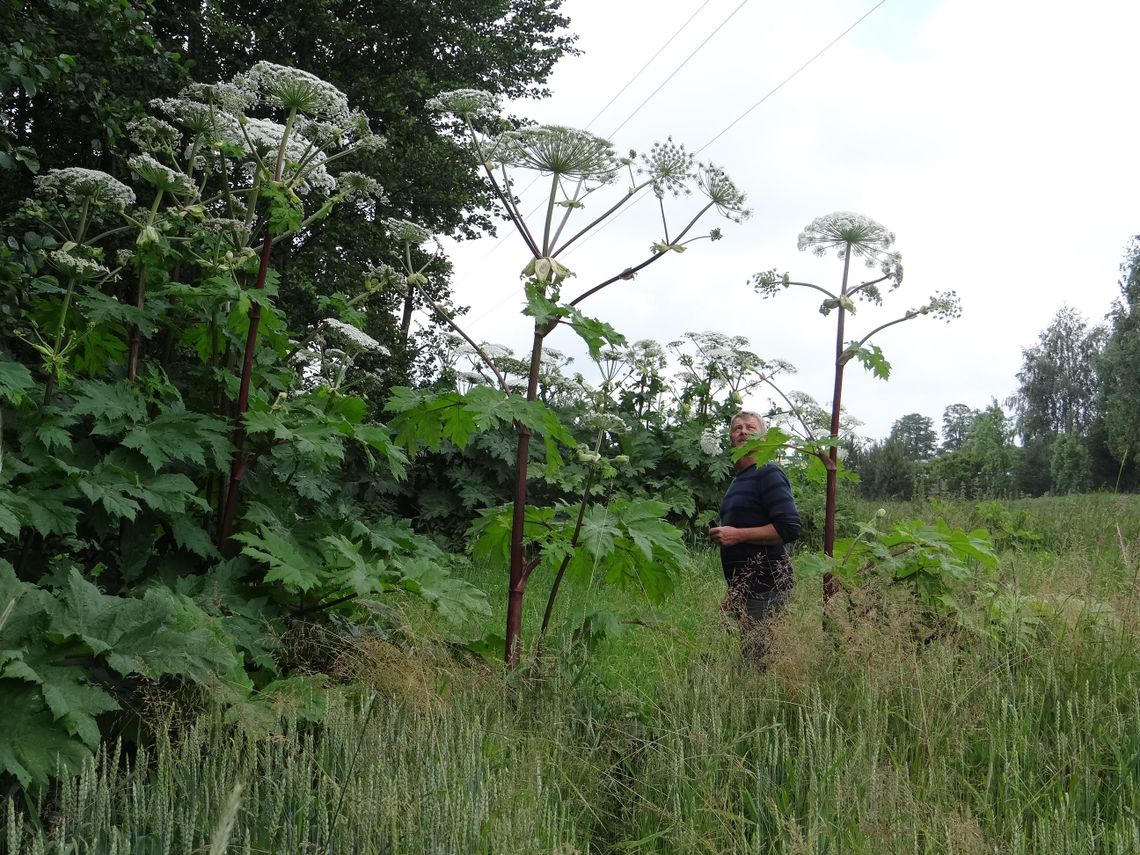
{"points": [[1071, 426]]}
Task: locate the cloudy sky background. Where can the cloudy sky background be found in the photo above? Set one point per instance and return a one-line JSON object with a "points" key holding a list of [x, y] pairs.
{"points": [[996, 138]]}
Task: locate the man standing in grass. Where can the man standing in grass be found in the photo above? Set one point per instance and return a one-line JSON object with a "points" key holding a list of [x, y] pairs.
{"points": [[758, 519]]}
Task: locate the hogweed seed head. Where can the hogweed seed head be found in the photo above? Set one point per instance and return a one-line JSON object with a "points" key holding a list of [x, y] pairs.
{"points": [[714, 183], [945, 306], [769, 282], [669, 167], [892, 267]]}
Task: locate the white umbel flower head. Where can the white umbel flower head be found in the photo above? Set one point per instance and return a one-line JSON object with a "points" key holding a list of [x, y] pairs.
{"points": [[866, 238], [466, 103], [76, 267], [162, 177], [405, 232], [293, 89], [611, 422], [152, 134], [358, 337], [265, 136], [497, 351], [75, 185], [357, 185], [710, 442], [205, 120], [558, 150]]}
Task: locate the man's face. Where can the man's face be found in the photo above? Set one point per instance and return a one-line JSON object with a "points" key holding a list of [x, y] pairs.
{"points": [[741, 429]]}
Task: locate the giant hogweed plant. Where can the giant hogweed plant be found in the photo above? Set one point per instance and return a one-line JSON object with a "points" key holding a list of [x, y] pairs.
{"points": [[580, 169], [165, 435], [852, 237]]}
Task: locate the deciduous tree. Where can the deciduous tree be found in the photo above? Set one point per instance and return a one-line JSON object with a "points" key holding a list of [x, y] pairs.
{"points": [[916, 433], [957, 422], [1059, 379], [1120, 365]]}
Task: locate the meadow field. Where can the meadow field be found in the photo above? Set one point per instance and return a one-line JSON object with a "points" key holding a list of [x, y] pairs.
{"points": [[884, 732]]}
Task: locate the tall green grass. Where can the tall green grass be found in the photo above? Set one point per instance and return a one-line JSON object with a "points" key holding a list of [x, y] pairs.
{"points": [[872, 736]]}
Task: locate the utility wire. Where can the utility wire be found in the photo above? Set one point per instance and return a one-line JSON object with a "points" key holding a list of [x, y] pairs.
{"points": [[737, 120], [792, 76], [679, 67], [631, 81]]}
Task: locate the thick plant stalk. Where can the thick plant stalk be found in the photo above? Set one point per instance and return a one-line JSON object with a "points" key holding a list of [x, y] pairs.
{"points": [[566, 561], [136, 333], [135, 337], [830, 583], [240, 464], [519, 570]]}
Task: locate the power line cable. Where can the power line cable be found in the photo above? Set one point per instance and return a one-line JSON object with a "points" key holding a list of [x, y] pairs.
{"points": [[792, 76], [737, 120], [679, 67], [648, 62]]}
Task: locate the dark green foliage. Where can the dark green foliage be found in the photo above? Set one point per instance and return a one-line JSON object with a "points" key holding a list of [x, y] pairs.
{"points": [[886, 470], [937, 562], [64, 653], [917, 435], [1069, 464], [73, 73], [1120, 368], [158, 436], [1059, 379], [957, 422]]}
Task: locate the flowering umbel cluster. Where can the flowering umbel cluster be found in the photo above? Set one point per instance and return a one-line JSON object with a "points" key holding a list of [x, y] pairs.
{"points": [[844, 231], [217, 124], [77, 186], [465, 103], [357, 337], [669, 167], [293, 89], [710, 442], [562, 151]]}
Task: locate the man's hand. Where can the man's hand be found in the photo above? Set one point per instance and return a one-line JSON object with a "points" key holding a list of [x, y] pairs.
{"points": [[726, 535], [730, 535]]}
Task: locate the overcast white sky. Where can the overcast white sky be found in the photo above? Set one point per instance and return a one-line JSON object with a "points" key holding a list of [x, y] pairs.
{"points": [[996, 138]]}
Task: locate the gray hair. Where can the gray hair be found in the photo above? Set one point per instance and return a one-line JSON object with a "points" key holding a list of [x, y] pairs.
{"points": [[748, 414]]}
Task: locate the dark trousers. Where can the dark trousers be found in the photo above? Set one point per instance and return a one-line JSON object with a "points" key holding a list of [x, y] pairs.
{"points": [[755, 611]]}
